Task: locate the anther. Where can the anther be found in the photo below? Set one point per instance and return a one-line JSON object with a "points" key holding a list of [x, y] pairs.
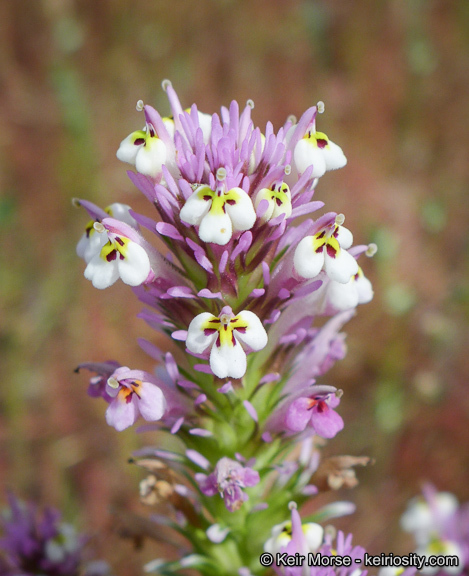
{"points": [[287, 169], [76, 202], [320, 107], [339, 219], [113, 383], [250, 103], [292, 505], [99, 227], [221, 174], [339, 393], [166, 84], [140, 105], [292, 119], [371, 250]]}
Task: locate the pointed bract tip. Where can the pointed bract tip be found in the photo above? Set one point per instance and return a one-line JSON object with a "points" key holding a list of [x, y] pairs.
{"points": [[250, 103], [321, 107], [371, 250], [140, 105], [287, 169], [166, 84], [292, 505], [339, 219], [99, 227]]}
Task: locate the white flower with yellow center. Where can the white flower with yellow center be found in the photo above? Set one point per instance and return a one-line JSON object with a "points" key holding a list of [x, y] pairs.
{"points": [[282, 534], [121, 256], [91, 241], [358, 290], [144, 149], [327, 250], [279, 198], [218, 212], [315, 148], [226, 336]]}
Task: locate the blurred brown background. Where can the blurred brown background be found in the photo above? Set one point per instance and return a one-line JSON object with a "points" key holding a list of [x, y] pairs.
{"points": [[394, 75]]}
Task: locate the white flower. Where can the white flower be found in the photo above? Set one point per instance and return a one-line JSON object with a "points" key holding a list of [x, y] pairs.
{"points": [[225, 335], [121, 256], [315, 148], [358, 290], [326, 250], [91, 241], [282, 535], [145, 150], [218, 213], [279, 199]]}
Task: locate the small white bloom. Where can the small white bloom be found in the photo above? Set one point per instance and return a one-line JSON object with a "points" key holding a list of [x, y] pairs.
{"points": [[218, 213], [225, 335], [279, 199], [326, 250], [315, 148], [119, 257], [145, 150], [92, 242], [358, 290], [282, 535]]}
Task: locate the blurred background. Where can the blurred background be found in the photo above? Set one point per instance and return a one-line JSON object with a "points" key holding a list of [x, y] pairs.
{"points": [[394, 75]]}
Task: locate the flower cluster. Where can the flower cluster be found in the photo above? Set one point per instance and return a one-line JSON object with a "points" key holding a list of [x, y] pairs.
{"points": [[252, 295], [440, 527], [35, 544]]}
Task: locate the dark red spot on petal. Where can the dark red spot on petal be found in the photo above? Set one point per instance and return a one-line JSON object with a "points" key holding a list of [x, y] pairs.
{"points": [[319, 249], [319, 236], [208, 331], [331, 251], [241, 329], [231, 202], [321, 143], [218, 342], [233, 339], [119, 240], [139, 141], [111, 256], [207, 198], [278, 201]]}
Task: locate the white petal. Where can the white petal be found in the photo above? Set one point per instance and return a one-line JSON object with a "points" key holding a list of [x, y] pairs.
{"points": [[135, 267], [334, 156], [197, 341], [121, 212], [216, 228], [314, 534], [242, 213], [364, 290], [152, 403], [344, 237], [127, 151], [265, 194], [342, 267], [306, 153], [89, 246], [205, 123], [255, 336], [194, 209], [342, 296], [308, 263], [151, 157], [101, 273], [228, 361]]}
